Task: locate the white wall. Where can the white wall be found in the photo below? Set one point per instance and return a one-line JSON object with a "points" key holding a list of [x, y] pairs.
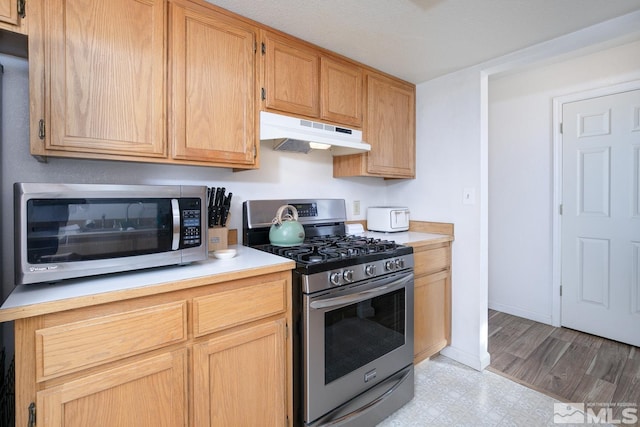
{"points": [[448, 153], [521, 173]]}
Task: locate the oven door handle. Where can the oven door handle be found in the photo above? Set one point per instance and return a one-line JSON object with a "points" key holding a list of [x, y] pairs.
{"points": [[362, 295]]}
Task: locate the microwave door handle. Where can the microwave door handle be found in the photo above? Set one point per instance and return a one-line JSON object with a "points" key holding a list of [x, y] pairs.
{"points": [[175, 211], [363, 295]]}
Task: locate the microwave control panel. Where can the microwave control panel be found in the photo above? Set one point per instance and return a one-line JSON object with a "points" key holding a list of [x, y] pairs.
{"points": [[191, 227]]}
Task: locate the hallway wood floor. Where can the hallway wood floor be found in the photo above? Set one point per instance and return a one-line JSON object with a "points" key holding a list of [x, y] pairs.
{"points": [[568, 365]]}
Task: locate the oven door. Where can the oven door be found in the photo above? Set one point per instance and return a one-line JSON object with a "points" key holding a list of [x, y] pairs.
{"points": [[354, 338]]}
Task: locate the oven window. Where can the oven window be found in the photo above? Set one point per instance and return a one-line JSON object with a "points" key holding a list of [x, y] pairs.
{"points": [[360, 333], [83, 229]]}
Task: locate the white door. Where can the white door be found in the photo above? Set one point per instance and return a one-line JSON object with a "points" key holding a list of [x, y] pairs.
{"points": [[601, 216]]}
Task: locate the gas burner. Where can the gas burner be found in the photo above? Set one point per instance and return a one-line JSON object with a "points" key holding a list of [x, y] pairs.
{"points": [[313, 256], [323, 249]]}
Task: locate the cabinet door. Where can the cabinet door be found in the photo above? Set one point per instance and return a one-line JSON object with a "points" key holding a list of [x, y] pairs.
{"points": [[105, 83], [432, 314], [213, 79], [150, 392], [291, 76], [390, 127], [240, 378], [341, 92], [9, 11]]}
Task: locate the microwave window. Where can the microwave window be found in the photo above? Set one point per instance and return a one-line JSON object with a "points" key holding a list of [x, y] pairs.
{"points": [[85, 229]]}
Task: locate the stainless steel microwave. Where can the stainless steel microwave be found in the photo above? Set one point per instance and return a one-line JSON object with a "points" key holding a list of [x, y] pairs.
{"points": [[65, 231]]}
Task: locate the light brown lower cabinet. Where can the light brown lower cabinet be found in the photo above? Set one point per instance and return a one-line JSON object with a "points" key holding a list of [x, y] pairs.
{"points": [[432, 298], [239, 377], [149, 392], [205, 355]]}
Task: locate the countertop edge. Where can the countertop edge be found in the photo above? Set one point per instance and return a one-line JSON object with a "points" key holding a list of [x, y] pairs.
{"points": [[107, 296]]}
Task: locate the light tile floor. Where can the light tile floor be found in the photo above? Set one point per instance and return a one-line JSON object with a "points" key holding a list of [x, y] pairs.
{"points": [[448, 393]]}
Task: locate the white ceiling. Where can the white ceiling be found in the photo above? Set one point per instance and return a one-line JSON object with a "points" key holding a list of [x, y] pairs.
{"points": [[418, 40]]}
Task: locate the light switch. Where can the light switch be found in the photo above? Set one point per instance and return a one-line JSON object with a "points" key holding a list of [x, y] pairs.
{"points": [[356, 207], [469, 196]]}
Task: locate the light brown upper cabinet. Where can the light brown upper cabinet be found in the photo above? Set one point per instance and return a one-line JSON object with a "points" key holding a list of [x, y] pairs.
{"points": [[100, 66], [12, 15], [389, 126], [291, 76], [213, 97], [302, 80], [341, 92], [103, 86]]}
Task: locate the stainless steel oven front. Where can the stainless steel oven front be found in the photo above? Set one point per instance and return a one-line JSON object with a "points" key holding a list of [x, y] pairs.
{"points": [[358, 348]]}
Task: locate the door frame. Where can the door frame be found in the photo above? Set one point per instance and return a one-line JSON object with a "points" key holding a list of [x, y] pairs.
{"points": [[558, 102]]}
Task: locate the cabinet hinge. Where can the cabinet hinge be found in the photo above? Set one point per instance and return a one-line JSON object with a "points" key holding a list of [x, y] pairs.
{"points": [[264, 48], [32, 415], [561, 128], [255, 151], [560, 209], [41, 129], [22, 9], [560, 290], [255, 47], [264, 94]]}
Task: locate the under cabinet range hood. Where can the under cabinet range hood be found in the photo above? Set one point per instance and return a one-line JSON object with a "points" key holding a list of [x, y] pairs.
{"points": [[303, 135]]}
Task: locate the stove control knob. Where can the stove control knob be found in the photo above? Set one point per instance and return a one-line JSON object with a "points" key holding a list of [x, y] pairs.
{"points": [[399, 263], [335, 278], [370, 270], [348, 275], [390, 265]]}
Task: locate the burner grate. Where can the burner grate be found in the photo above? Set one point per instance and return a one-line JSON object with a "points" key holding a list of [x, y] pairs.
{"points": [[329, 248]]}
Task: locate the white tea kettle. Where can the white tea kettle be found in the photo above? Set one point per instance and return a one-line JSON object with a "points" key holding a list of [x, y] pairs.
{"points": [[286, 230]]}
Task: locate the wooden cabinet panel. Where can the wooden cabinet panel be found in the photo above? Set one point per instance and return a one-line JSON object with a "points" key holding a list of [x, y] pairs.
{"points": [[225, 309], [213, 80], [390, 127], [143, 360], [240, 378], [291, 76], [341, 92], [432, 314], [431, 260], [105, 62], [151, 392], [432, 298], [13, 17], [9, 11], [71, 347]]}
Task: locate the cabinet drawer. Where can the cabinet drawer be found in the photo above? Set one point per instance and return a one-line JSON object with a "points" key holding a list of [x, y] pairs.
{"points": [[431, 260], [229, 308], [74, 346]]}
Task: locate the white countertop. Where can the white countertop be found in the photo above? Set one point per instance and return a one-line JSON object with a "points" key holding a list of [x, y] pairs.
{"points": [[138, 283], [247, 259]]}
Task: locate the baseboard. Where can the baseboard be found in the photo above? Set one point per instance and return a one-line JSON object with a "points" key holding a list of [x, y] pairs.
{"points": [[525, 314], [476, 361]]}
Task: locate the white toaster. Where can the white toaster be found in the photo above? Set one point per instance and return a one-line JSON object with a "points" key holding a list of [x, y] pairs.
{"points": [[387, 218]]}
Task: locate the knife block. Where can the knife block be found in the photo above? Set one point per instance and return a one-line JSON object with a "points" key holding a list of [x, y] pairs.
{"points": [[217, 238]]}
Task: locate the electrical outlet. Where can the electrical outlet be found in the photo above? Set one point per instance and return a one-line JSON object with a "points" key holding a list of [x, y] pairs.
{"points": [[356, 207]]}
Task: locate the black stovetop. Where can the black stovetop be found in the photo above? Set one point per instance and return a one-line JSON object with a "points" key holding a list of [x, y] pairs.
{"points": [[324, 253]]}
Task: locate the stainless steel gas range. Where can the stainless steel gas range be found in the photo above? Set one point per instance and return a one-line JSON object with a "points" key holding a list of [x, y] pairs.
{"points": [[352, 313]]}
